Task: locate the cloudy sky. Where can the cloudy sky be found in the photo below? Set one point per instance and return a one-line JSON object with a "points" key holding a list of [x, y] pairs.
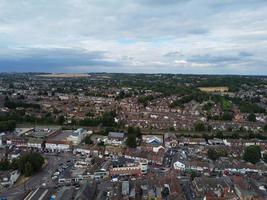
{"points": [[148, 36]]}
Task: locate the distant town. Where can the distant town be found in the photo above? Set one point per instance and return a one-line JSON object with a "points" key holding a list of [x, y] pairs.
{"points": [[133, 136]]}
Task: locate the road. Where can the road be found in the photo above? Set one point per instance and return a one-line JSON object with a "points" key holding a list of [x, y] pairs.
{"points": [[35, 181]]}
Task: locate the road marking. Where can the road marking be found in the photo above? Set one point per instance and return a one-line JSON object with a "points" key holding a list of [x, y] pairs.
{"points": [[43, 195]]}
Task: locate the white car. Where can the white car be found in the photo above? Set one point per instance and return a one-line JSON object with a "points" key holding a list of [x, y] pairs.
{"points": [[56, 173]]}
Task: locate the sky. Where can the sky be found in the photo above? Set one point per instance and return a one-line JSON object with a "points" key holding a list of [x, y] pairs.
{"points": [[134, 36]]}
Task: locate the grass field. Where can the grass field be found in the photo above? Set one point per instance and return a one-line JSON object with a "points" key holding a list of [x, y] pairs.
{"points": [[214, 89], [226, 104], [64, 75]]}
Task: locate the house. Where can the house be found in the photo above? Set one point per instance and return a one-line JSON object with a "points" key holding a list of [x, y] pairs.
{"points": [[115, 138], [15, 141], [244, 143], [35, 143], [57, 145], [198, 165], [76, 137], [8, 178], [178, 165], [158, 148], [152, 140], [191, 141], [243, 189], [125, 167], [216, 187], [216, 141], [143, 154], [170, 140]]}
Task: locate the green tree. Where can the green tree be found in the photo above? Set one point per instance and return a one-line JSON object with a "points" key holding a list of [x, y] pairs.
{"points": [[212, 154], [61, 119], [227, 116], [88, 140], [252, 154], [235, 135], [8, 125], [34, 160], [131, 140], [4, 165], [28, 169], [265, 157], [136, 131], [101, 143], [130, 130], [265, 128], [252, 117], [219, 135], [199, 127]]}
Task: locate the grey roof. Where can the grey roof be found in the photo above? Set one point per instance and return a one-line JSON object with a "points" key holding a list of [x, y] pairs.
{"points": [[125, 187], [206, 183], [116, 134]]}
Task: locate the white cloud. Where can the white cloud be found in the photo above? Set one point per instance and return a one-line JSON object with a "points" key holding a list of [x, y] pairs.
{"points": [[180, 62], [152, 33]]}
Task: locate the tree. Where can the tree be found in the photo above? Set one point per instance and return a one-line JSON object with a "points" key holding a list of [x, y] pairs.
{"points": [[101, 143], [265, 128], [252, 117], [212, 154], [193, 175], [108, 118], [136, 131], [235, 135], [131, 140], [28, 169], [61, 119], [4, 165], [130, 130], [265, 157], [88, 140], [29, 163], [219, 135], [8, 125], [252, 154], [227, 116], [205, 136], [199, 127]]}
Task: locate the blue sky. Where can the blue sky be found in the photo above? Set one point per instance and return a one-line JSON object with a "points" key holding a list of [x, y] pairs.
{"points": [[148, 36]]}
